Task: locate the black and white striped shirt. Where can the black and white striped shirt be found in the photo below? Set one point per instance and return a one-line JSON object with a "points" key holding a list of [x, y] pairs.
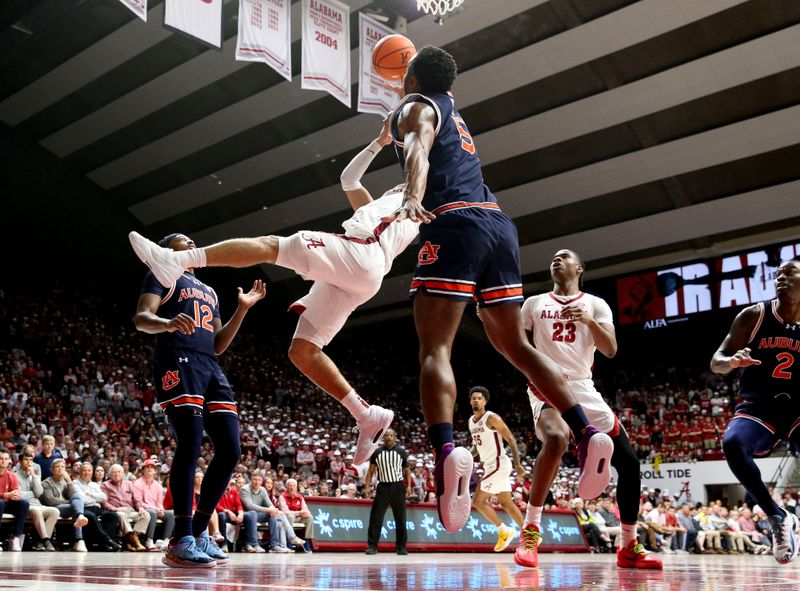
{"points": [[390, 463]]}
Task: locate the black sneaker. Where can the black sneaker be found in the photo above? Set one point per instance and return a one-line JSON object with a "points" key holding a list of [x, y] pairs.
{"points": [[402, 552], [371, 551]]}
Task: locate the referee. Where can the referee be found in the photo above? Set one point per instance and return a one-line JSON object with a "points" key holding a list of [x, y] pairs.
{"points": [[392, 464]]}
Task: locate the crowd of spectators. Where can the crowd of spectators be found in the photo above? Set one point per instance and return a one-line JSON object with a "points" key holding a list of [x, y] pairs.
{"points": [[87, 439]]}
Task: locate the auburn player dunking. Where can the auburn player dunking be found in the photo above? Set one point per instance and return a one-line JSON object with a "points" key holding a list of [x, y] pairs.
{"points": [[765, 340], [469, 250], [196, 395], [568, 326]]}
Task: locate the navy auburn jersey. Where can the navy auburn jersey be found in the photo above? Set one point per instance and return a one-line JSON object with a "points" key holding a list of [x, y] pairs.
{"points": [[455, 170], [776, 344], [194, 298]]}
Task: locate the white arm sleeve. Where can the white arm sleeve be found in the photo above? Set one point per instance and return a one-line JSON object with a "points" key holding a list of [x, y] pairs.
{"points": [[351, 175]]}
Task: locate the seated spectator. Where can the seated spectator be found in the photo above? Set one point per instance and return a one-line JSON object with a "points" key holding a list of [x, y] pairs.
{"points": [[48, 455], [293, 505], [58, 492], [678, 531], [349, 473], [230, 510], [713, 536], [322, 465], [99, 474], [12, 500], [694, 536], [30, 485], [305, 460], [149, 495], [133, 521], [610, 515], [593, 534], [255, 498], [105, 523], [610, 531], [350, 492], [739, 539], [748, 527]]}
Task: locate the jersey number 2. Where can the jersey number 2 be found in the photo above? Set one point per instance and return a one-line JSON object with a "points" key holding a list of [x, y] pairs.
{"points": [[466, 139], [204, 322], [564, 332], [786, 361]]}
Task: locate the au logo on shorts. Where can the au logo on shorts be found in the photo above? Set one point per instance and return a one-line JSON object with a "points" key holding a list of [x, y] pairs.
{"points": [[429, 253], [170, 380]]}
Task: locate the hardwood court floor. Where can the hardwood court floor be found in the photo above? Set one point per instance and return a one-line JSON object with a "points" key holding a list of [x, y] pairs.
{"points": [[67, 571]]}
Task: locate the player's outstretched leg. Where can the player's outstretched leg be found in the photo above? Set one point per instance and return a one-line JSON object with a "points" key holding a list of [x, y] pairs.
{"points": [[503, 325], [372, 420], [505, 534]]}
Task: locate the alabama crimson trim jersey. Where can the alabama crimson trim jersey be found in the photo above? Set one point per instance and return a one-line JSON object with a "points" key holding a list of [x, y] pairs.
{"points": [[570, 344], [486, 440]]}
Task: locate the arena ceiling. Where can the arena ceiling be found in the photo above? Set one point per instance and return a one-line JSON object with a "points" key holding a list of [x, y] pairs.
{"points": [[637, 133]]}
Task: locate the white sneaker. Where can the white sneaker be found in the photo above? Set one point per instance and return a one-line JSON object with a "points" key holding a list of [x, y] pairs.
{"points": [[149, 544], [16, 543], [160, 260], [280, 550], [80, 521], [249, 549], [370, 432], [784, 531], [161, 544], [259, 549], [452, 474], [80, 546]]}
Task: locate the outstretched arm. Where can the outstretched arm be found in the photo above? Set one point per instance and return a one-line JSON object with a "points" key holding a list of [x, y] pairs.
{"points": [[351, 175], [223, 335], [416, 126], [732, 353]]}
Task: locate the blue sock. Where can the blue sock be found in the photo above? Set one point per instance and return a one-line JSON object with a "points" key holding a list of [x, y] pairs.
{"points": [[576, 421], [440, 434]]}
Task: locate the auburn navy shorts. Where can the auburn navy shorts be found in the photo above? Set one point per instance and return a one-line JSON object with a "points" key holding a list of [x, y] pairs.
{"points": [[781, 417], [186, 378], [471, 251]]}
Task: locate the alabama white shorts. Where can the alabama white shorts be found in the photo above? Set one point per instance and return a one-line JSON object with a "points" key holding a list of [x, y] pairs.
{"points": [[597, 411], [346, 273], [497, 476]]}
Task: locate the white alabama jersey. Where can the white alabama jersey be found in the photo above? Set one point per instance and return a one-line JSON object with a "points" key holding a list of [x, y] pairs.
{"points": [[393, 238], [487, 441], [569, 344]]}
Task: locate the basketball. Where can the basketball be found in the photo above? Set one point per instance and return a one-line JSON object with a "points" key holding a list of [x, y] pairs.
{"points": [[391, 56]]}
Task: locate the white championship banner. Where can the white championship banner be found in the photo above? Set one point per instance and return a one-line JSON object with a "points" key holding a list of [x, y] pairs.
{"points": [[373, 95], [326, 48], [265, 34], [199, 19], [138, 7]]}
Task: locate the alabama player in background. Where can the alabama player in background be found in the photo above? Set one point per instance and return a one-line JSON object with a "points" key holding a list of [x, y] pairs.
{"points": [[568, 325], [488, 431], [765, 340], [347, 270]]}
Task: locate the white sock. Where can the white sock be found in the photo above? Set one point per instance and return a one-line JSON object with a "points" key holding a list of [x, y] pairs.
{"points": [[194, 258], [356, 405], [534, 515], [628, 533]]}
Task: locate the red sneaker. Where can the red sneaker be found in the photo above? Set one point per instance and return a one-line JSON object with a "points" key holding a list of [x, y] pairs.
{"points": [[634, 556], [527, 552]]}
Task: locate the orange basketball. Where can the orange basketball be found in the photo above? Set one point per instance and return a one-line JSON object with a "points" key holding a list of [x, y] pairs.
{"points": [[391, 56]]}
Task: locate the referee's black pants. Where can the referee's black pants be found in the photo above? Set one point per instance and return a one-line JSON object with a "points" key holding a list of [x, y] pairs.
{"points": [[394, 494]]}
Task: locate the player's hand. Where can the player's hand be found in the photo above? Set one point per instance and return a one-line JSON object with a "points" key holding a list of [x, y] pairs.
{"points": [[256, 293], [575, 313], [742, 359], [410, 210], [385, 137], [520, 472], [182, 323], [409, 492]]}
